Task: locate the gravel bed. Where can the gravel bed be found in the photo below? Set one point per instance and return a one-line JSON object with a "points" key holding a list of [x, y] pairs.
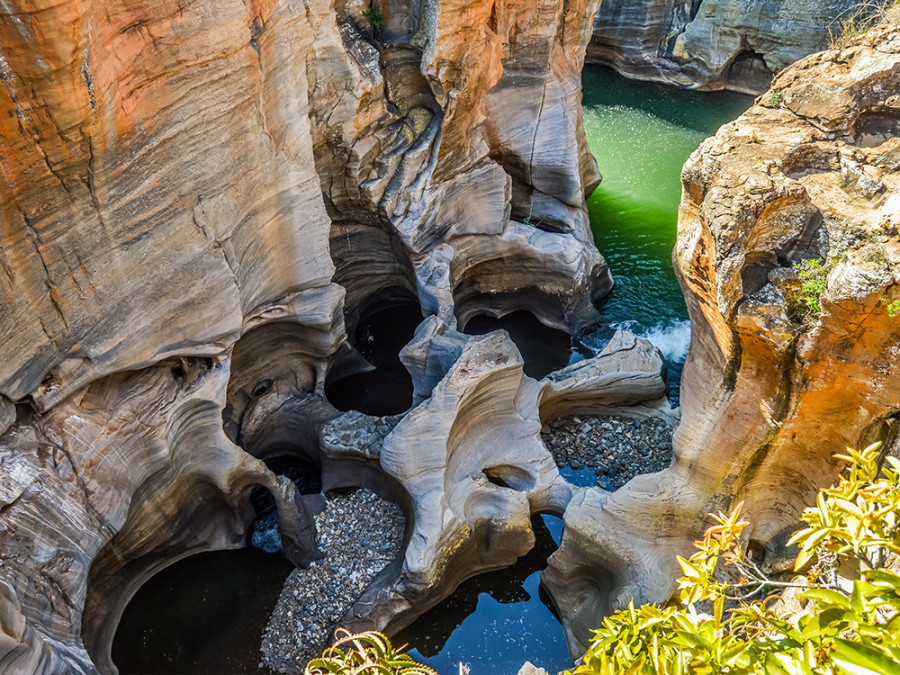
{"points": [[360, 534], [616, 449]]}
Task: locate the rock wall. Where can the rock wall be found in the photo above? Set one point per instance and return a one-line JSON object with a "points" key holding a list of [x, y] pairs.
{"points": [[770, 390], [195, 198], [712, 44]]}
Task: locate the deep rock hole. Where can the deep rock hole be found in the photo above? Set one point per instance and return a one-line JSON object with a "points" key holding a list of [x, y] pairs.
{"points": [[543, 349], [386, 324]]}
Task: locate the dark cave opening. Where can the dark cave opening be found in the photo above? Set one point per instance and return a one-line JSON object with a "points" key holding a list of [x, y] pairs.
{"points": [[386, 322], [198, 615], [543, 349], [263, 532]]}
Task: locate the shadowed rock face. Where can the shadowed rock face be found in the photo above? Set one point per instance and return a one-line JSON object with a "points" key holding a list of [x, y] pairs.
{"points": [[196, 197], [711, 44], [769, 393]]}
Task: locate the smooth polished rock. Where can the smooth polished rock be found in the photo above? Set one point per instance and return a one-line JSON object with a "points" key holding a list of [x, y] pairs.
{"points": [[230, 185], [714, 44]]}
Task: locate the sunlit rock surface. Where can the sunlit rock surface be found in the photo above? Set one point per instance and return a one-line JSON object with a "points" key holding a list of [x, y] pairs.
{"points": [[713, 44], [769, 392], [199, 203]]}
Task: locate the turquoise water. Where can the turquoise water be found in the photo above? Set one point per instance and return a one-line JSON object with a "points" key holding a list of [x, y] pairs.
{"points": [[641, 134]]}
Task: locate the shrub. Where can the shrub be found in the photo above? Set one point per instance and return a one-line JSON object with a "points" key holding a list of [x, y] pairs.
{"points": [[775, 98], [847, 626], [861, 17], [893, 308], [374, 16], [814, 279], [369, 652]]}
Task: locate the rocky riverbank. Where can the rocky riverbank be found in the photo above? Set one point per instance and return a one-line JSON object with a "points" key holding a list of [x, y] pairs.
{"points": [[360, 534], [616, 449]]}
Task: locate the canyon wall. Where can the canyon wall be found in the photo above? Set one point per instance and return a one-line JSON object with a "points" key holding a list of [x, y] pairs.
{"points": [[199, 202], [712, 44], [778, 378]]}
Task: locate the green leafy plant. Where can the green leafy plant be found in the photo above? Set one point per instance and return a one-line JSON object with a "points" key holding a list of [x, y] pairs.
{"points": [[775, 98], [370, 653], [814, 279], [848, 626], [893, 308], [374, 16]]}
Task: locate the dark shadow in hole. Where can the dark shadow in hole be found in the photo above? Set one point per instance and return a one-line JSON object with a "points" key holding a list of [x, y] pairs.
{"points": [[748, 72], [508, 476], [874, 127], [263, 532], [203, 614], [468, 627], [543, 349], [385, 325]]}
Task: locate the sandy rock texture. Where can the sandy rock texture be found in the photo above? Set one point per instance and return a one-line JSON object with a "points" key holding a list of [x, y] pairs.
{"points": [[199, 202], [770, 391], [712, 44]]}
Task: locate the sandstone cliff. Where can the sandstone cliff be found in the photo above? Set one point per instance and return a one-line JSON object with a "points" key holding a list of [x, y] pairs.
{"points": [[199, 201], [771, 389], [711, 44]]}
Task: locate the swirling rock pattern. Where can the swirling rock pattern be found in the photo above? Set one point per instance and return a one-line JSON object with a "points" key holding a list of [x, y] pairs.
{"points": [[198, 199]]}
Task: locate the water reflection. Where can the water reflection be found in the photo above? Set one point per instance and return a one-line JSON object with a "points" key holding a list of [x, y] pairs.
{"points": [[495, 622]]}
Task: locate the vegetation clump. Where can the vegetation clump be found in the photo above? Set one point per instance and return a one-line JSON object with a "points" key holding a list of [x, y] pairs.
{"points": [[775, 98], [813, 282], [861, 17], [370, 653], [374, 16], [847, 626], [893, 308]]}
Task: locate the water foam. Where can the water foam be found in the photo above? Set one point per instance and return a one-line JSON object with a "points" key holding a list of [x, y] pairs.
{"points": [[673, 340]]}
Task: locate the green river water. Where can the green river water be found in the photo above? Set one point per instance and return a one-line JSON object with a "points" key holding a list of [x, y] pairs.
{"points": [[206, 613], [641, 134]]}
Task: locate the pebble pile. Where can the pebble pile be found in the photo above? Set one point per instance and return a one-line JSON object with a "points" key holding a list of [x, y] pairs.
{"points": [[360, 534], [616, 449]]}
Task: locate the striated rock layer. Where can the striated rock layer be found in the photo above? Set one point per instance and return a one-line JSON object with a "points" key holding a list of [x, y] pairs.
{"points": [[712, 44], [770, 390], [200, 203]]}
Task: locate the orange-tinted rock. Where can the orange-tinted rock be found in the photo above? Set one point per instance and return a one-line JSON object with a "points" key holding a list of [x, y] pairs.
{"points": [[213, 186]]}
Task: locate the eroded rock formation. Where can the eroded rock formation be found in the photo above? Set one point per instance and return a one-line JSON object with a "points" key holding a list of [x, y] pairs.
{"points": [[770, 390], [199, 200], [712, 44]]}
